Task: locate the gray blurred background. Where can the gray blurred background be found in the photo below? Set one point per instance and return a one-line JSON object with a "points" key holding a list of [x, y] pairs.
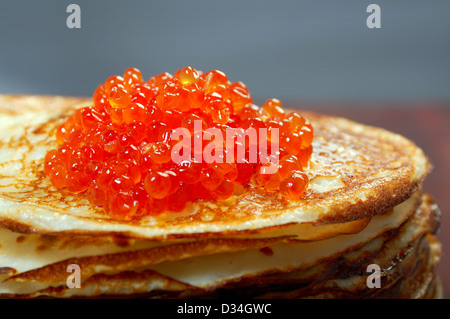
{"points": [[294, 50]]}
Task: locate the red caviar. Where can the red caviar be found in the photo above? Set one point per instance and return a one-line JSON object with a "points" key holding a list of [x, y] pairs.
{"points": [[119, 151]]}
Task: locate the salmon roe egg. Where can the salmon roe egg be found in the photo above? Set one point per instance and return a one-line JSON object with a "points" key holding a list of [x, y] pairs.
{"points": [[294, 185], [120, 150]]}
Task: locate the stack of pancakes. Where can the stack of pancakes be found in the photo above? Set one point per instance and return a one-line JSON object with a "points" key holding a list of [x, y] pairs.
{"points": [[363, 210]]}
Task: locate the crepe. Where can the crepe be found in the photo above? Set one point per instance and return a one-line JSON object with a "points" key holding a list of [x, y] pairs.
{"points": [[364, 191], [356, 171], [396, 243]]}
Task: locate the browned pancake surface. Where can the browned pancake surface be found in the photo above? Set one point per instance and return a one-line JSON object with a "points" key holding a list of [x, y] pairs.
{"points": [[356, 171]]}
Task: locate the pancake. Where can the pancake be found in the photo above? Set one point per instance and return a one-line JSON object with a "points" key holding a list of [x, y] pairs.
{"points": [[290, 253], [355, 172], [407, 254], [363, 206]]}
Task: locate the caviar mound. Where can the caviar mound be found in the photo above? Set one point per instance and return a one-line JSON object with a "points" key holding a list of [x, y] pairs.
{"points": [[120, 151]]}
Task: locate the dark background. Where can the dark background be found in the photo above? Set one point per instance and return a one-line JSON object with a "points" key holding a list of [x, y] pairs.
{"points": [[316, 55]]}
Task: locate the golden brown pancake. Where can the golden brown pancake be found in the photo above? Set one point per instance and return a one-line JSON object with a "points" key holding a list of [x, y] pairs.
{"points": [[356, 171], [407, 255], [363, 205]]}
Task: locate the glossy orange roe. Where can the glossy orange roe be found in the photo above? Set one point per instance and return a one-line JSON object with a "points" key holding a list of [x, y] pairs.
{"points": [[118, 151]]}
